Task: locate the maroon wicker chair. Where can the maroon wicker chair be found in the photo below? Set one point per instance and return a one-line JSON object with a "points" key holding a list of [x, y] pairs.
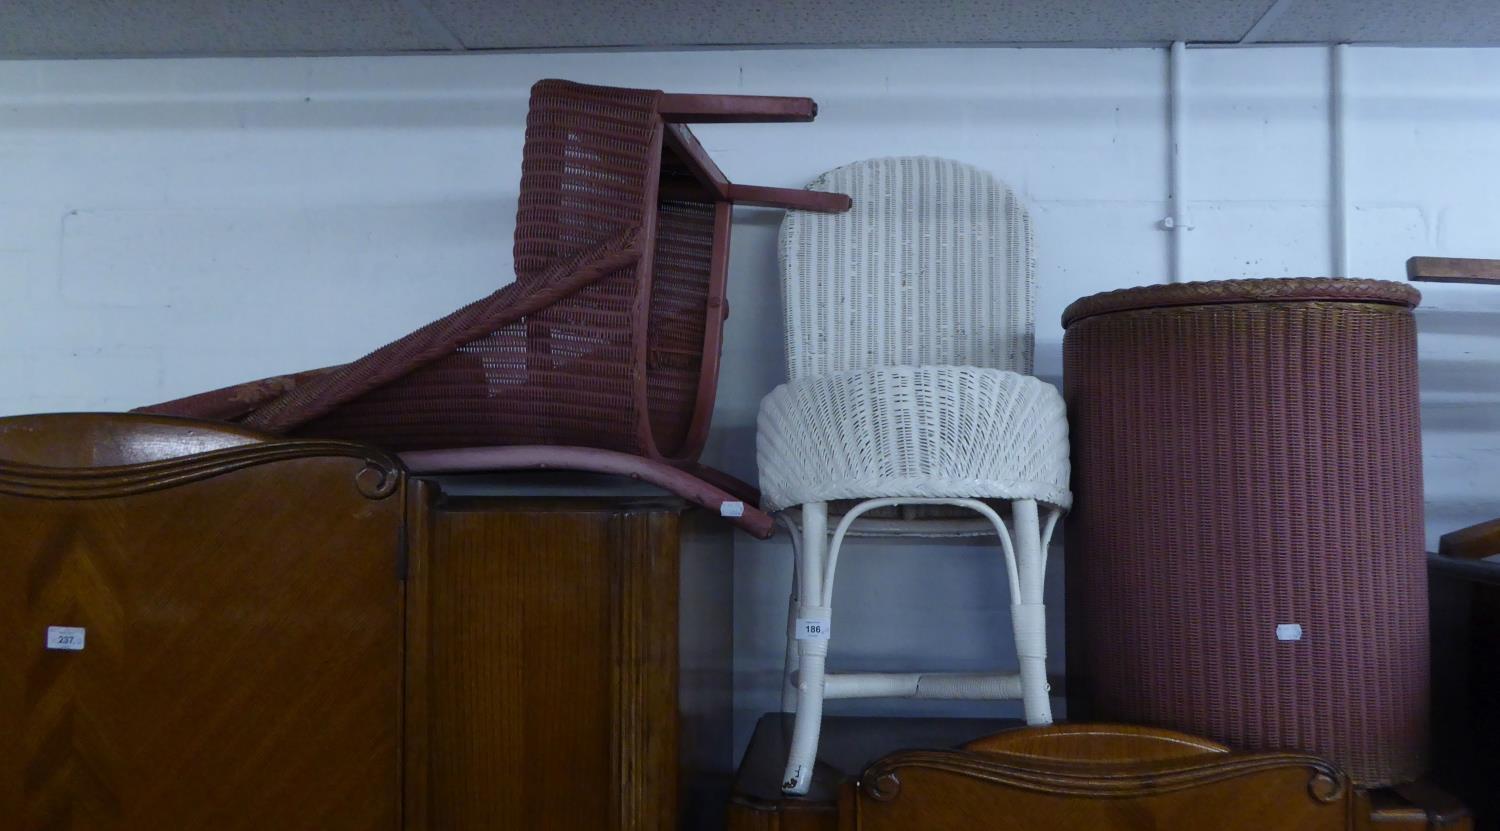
{"points": [[603, 354], [1244, 556]]}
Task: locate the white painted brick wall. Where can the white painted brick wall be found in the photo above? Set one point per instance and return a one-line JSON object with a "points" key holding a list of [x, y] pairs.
{"points": [[171, 226]]}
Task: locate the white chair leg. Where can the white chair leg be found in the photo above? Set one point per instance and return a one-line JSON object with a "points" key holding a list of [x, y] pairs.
{"points": [[1028, 617], [812, 652], [789, 656], [1025, 553]]}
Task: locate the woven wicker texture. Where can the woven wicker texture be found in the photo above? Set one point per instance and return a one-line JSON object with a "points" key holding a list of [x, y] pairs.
{"points": [[1271, 290], [1248, 458], [905, 318], [461, 379], [568, 372], [599, 342], [909, 323], [913, 431], [943, 273]]}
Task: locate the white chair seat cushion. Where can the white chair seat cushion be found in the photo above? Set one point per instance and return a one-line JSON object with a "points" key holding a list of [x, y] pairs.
{"points": [[931, 431]]}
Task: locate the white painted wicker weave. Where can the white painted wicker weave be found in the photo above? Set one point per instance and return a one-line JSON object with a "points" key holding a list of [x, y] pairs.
{"points": [[931, 267], [963, 432], [909, 325]]}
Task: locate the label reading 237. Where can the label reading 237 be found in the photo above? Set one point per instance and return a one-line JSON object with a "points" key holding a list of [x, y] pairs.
{"points": [[67, 638]]}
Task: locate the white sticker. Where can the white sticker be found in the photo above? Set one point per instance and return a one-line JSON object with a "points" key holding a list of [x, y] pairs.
{"points": [[1288, 631], [66, 637], [731, 509], [813, 628]]}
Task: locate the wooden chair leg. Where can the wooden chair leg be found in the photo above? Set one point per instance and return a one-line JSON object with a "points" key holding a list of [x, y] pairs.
{"points": [[795, 199], [1472, 543], [685, 108]]}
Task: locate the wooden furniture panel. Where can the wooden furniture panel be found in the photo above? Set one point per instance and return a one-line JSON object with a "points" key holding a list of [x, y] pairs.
{"points": [[1465, 607], [848, 745], [1453, 270], [242, 611], [1098, 777], [1417, 806], [705, 670], [961, 773], [552, 666]]}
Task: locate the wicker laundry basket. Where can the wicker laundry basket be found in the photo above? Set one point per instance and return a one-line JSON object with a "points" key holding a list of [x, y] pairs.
{"points": [[1245, 555]]}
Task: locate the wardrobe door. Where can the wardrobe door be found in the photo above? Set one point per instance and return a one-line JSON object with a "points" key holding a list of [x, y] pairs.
{"points": [[201, 641]]}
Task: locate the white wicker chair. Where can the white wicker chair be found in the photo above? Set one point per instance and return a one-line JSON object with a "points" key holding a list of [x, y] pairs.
{"points": [[909, 323]]}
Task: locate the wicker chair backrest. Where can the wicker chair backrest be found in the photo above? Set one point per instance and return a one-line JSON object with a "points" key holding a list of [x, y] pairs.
{"points": [[932, 266]]}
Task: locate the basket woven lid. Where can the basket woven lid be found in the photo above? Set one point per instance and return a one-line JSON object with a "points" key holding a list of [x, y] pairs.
{"points": [[1270, 290]]}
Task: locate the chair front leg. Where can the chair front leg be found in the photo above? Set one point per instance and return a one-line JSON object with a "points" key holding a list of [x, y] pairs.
{"points": [[814, 616], [790, 654], [1028, 616]]}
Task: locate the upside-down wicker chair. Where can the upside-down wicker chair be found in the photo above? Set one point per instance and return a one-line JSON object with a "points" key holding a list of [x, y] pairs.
{"points": [[909, 328], [603, 354]]}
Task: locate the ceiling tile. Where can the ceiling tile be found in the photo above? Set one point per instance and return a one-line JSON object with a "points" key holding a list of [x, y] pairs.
{"points": [[96, 28], [481, 24], [1387, 21], [106, 28]]}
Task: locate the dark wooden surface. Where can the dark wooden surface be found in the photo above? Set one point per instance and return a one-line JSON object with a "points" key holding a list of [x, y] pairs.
{"points": [[1472, 543], [698, 485], [848, 744], [95, 440], [682, 144], [1416, 806], [734, 109], [551, 668], [1097, 777], [970, 773], [1453, 270], [293, 635], [791, 198], [242, 607], [1464, 601], [1095, 744], [705, 667]]}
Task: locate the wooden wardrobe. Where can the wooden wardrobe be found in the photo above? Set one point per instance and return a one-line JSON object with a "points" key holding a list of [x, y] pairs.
{"points": [[205, 628]]}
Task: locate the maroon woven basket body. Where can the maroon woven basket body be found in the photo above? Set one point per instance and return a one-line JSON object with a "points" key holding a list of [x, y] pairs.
{"points": [[618, 363], [1245, 555]]}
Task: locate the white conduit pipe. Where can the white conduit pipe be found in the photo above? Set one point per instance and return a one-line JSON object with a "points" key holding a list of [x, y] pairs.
{"points": [[1338, 220], [1177, 223]]}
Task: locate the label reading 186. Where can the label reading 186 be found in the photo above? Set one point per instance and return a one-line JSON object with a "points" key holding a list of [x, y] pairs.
{"points": [[813, 629]]}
